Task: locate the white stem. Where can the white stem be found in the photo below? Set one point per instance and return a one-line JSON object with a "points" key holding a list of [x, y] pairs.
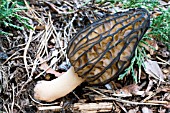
{"points": [[57, 88]]}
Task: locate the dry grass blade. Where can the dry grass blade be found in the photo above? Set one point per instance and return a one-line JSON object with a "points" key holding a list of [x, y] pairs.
{"points": [[25, 51], [126, 101], [42, 108]]}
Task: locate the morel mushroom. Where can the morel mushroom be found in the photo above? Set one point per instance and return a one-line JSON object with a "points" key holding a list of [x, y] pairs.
{"points": [[98, 53]]}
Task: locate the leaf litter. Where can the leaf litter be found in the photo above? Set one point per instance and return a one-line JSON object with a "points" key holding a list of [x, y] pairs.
{"points": [[32, 55]]}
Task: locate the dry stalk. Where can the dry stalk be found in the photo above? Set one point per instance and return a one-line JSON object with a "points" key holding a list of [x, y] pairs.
{"points": [[163, 61], [25, 51], [13, 98], [70, 26], [127, 102], [43, 104]]}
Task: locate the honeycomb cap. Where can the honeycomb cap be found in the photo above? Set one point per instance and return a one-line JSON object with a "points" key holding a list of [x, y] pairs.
{"points": [[102, 50]]}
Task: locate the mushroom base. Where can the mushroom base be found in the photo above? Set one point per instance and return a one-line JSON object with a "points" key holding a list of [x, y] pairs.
{"points": [[51, 90]]}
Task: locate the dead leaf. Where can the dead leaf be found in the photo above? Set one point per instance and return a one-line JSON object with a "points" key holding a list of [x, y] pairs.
{"points": [[167, 97], [163, 52], [128, 91], [44, 66], [163, 2], [157, 13], [166, 70], [151, 43], [146, 110], [167, 106], [135, 110], [162, 111], [152, 68]]}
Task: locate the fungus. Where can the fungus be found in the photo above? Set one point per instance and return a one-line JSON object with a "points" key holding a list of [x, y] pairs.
{"points": [[98, 53]]}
